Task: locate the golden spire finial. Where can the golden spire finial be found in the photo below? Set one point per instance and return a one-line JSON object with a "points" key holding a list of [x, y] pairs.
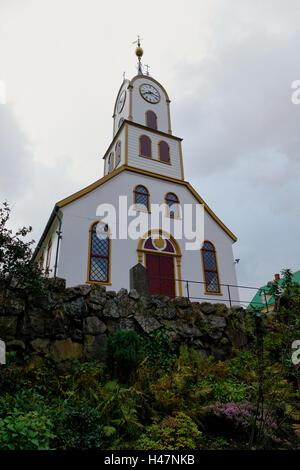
{"points": [[139, 52]]}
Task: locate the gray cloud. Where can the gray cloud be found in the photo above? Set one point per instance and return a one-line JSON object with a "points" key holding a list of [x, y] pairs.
{"points": [[15, 156], [30, 187]]}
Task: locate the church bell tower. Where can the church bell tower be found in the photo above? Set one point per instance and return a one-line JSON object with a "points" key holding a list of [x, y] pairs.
{"points": [[142, 132]]}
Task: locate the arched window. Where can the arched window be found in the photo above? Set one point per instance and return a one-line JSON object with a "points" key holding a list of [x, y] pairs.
{"points": [[145, 146], [110, 162], [210, 268], [172, 205], [151, 119], [99, 255], [141, 198], [118, 153], [164, 151], [49, 249]]}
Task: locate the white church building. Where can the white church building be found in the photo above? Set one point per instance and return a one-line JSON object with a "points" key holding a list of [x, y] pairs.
{"points": [[97, 234]]}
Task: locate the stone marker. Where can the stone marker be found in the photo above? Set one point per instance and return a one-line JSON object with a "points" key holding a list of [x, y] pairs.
{"points": [[139, 280], [2, 352]]}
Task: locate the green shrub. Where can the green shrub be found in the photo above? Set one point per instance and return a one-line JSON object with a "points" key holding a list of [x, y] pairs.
{"points": [[26, 431], [175, 432], [225, 391], [80, 427], [157, 349], [125, 351]]}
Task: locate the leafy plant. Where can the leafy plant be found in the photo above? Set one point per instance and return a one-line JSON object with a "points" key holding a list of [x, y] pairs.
{"points": [[176, 432], [157, 349], [122, 408], [16, 255], [26, 431], [225, 391], [125, 350], [80, 427]]}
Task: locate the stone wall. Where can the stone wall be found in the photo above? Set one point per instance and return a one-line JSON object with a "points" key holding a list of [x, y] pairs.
{"points": [[74, 322]]}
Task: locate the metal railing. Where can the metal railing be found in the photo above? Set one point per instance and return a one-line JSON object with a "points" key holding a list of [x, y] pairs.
{"points": [[228, 288]]}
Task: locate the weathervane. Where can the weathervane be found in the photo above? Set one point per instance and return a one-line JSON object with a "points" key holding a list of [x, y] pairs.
{"points": [[139, 52], [148, 67]]}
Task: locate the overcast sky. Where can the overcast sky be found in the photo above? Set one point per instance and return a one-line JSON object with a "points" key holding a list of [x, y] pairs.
{"points": [[228, 67]]}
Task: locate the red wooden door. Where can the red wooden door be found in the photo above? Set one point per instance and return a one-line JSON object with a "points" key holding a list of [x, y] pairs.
{"points": [[161, 277]]}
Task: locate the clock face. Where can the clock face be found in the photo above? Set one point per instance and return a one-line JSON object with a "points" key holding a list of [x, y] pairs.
{"points": [[150, 93], [121, 101]]}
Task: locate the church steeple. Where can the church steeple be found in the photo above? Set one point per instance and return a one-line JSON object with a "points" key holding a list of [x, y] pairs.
{"points": [[142, 133]]}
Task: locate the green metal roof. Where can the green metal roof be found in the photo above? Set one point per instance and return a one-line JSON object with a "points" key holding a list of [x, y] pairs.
{"points": [[259, 300]]}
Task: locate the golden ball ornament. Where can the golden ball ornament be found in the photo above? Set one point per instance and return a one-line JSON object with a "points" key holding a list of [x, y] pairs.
{"points": [[139, 51]]}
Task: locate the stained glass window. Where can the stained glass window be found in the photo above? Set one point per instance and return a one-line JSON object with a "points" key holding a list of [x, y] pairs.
{"points": [[145, 146], [172, 202], [210, 268], [164, 152], [99, 253], [141, 198]]}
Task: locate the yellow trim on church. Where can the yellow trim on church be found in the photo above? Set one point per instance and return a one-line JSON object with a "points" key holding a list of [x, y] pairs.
{"points": [[122, 168]]}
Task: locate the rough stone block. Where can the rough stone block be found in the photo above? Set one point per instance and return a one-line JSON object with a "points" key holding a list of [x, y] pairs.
{"points": [[56, 284], [8, 327], [15, 345], [95, 346], [41, 345], [111, 309], [76, 308], [146, 322], [207, 308], [182, 302], [216, 321], [66, 349], [133, 294], [93, 326]]}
